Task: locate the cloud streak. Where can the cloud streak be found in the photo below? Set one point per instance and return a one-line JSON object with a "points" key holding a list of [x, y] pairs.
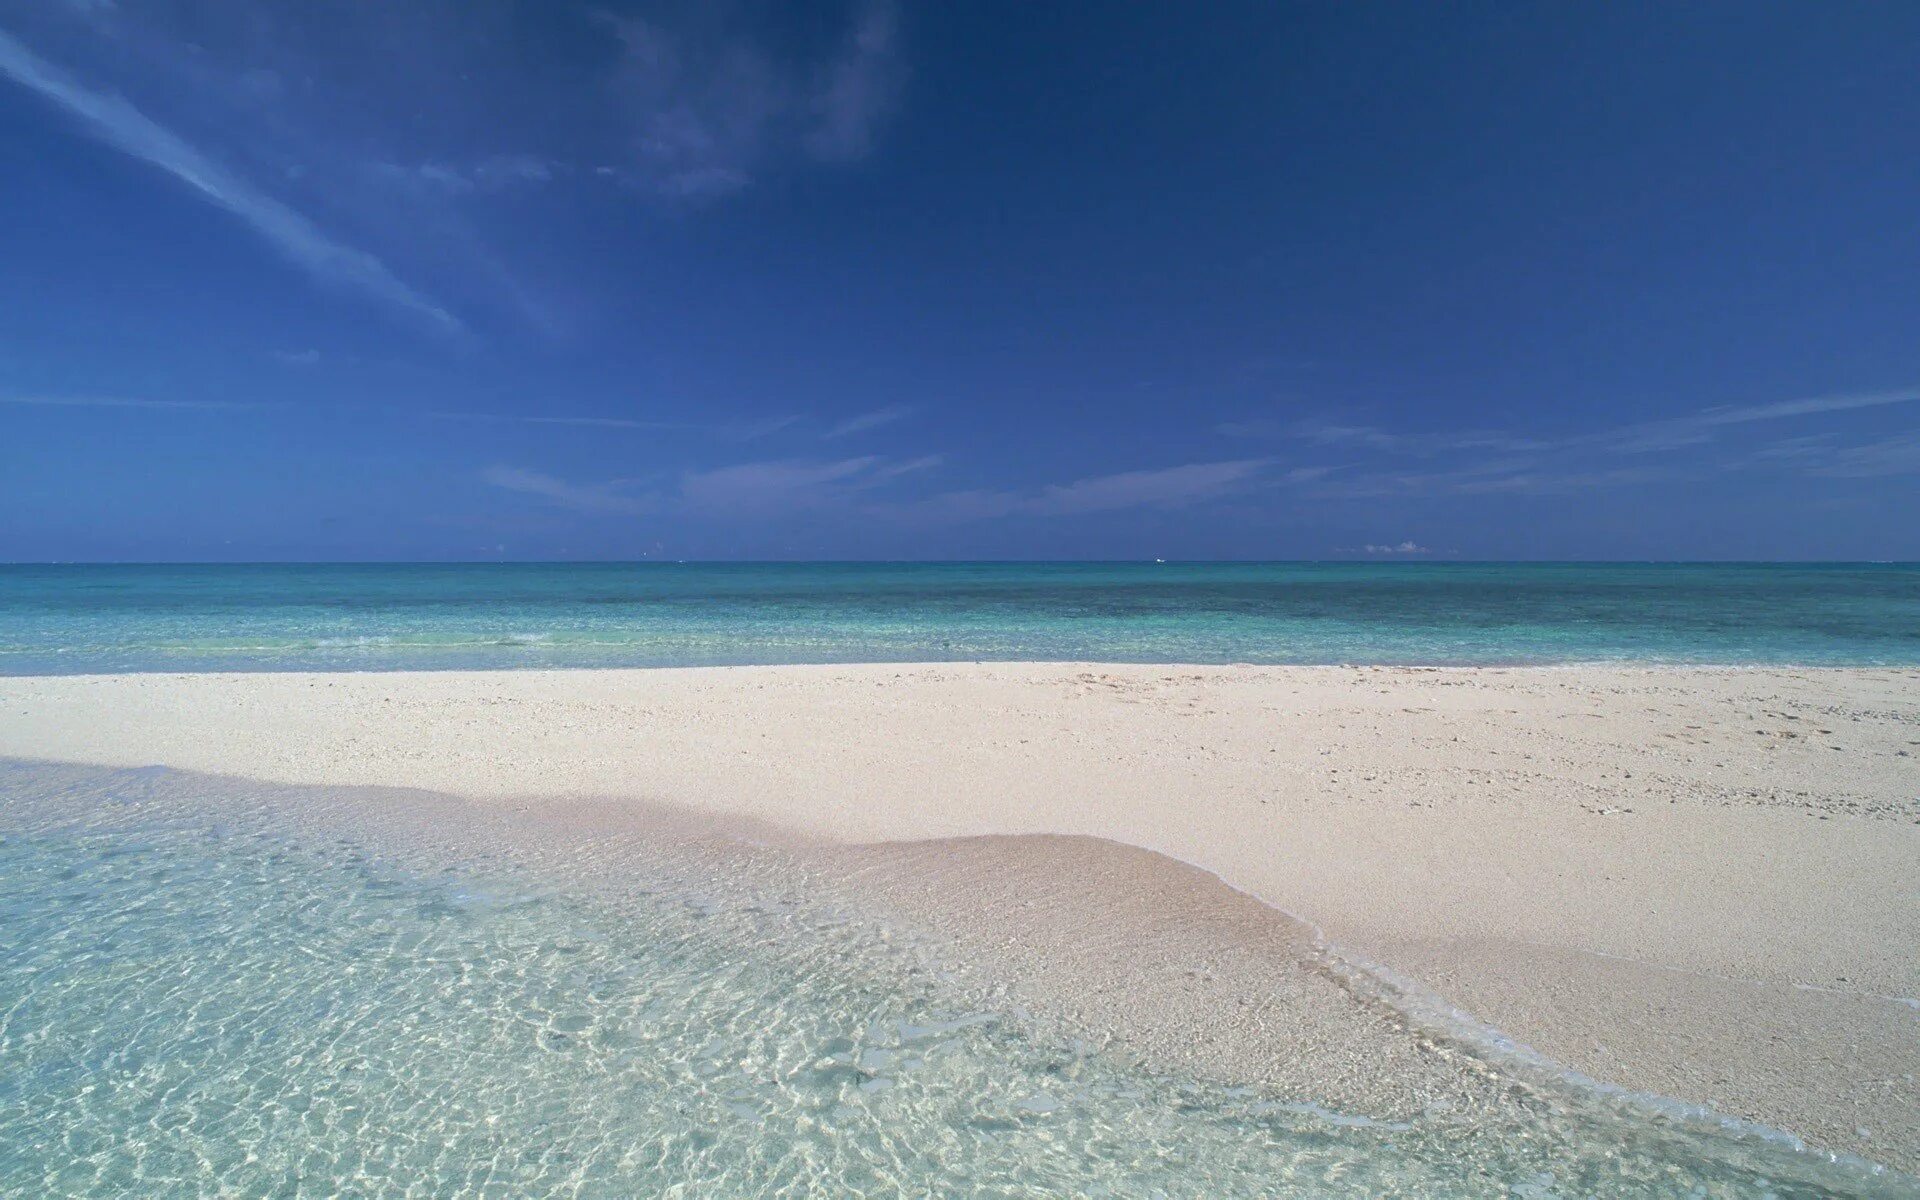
{"points": [[749, 490], [117, 123], [1495, 461], [858, 486], [857, 87], [706, 110], [869, 420], [1164, 487], [1826, 456], [1696, 428], [1371, 437], [771, 487], [1167, 487], [744, 430], [589, 498]]}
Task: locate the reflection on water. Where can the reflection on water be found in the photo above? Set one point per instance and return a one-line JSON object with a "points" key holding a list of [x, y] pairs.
{"points": [[211, 1004]]}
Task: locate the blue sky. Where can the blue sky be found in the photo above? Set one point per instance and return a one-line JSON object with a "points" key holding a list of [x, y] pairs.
{"points": [[546, 280]]}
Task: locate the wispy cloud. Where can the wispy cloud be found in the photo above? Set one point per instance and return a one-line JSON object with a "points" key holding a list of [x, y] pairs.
{"points": [[285, 131], [1372, 437], [870, 420], [707, 108], [1164, 487], [1696, 428], [1502, 477], [1664, 433], [909, 466], [776, 486], [797, 485], [858, 87], [750, 490], [611, 497], [1406, 547], [116, 122], [1810, 406], [1517, 462], [591, 422], [1899, 455], [748, 429], [864, 486], [1828, 456], [741, 430], [497, 172]]}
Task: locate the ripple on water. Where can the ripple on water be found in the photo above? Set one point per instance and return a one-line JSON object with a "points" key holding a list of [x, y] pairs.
{"points": [[249, 1006]]}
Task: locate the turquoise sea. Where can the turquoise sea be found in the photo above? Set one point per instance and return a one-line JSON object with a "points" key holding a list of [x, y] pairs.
{"points": [[67, 619], [226, 989], [211, 987]]}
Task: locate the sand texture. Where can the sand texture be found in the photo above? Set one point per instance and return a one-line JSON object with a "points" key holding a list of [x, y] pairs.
{"points": [[1698, 882]]}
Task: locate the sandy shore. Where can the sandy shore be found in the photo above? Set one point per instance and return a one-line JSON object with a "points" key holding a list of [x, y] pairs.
{"points": [[1703, 883]]}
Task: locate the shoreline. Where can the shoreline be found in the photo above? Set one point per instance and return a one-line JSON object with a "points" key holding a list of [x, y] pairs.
{"points": [[1355, 1061], [1655, 916], [1543, 666]]}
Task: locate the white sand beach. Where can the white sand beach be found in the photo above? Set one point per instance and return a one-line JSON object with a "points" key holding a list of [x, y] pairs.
{"points": [[1703, 883]]}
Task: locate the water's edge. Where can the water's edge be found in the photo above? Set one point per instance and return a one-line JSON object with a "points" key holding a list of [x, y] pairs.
{"points": [[597, 851]]}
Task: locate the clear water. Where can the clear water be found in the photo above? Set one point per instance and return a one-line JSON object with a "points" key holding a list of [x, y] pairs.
{"points": [[60, 619], [196, 999]]}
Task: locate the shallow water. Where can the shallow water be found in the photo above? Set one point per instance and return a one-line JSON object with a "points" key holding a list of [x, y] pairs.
{"points": [[210, 988], [61, 619]]}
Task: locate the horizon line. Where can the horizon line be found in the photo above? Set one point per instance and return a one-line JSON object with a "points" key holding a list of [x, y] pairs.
{"points": [[1356, 560]]}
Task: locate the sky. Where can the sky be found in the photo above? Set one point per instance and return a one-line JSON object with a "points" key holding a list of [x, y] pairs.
{"points": [[323, 280]]}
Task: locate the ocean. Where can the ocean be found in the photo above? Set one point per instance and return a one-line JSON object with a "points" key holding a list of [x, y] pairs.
{"points": [[75, 619], [212, 987]]}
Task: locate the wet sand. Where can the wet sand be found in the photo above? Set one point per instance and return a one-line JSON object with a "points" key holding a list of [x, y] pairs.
{"points": [[1701, 883]]}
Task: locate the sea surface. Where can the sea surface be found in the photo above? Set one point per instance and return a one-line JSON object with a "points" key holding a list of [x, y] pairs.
{"points": [[214, 987], [72, 619], [205, 989]]}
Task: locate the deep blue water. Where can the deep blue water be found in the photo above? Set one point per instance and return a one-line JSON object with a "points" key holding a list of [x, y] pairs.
{"points": [[65, 619]]}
